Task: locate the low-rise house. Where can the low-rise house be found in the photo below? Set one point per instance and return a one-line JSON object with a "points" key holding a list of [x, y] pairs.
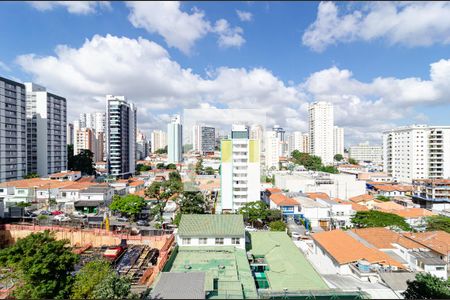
{"points": [[415, 217], [432, 193], [289, 207], [413, 255], [211, 230], [93, 197], [388, 190], [268, 192], [436, 241], [68, 195], [66, 175], [365, 200], [388, 205], [344, 254], [317, 214], [404, 201]]}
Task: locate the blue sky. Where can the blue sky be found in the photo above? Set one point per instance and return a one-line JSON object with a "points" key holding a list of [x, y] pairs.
{"points": [[372, 60]]}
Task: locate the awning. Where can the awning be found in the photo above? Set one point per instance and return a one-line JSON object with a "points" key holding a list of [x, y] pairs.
{"points": [[88, 203]]}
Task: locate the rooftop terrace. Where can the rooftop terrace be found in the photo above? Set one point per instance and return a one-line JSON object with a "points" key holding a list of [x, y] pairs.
{"points": [[227, 270], [287, 266]]}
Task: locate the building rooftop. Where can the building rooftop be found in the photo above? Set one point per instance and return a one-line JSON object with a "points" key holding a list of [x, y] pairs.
{"points": [[388, 205], [308, 202], [438, 241], [345, 249], [391, 188], [228, 266], [383, 238], [411, 213], [318, 195], [282, 200], [361, 198], [211, 226], [274, 190], [36, 183], [428, 258], [288, 267], [65, 173], [188, 286]]}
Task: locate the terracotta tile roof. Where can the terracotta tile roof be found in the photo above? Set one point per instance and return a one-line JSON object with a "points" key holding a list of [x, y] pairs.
{"points": [[323, 196], [435, 181], [136, 182], [345, 249], [359, 207], [61, 174], [391, 188], [282, 200], [438, 241], [411, 213], [350, 166], [383, 238], [36, 183], [79, 186], [274, 190], [389, 205], [86, 179], [361, 198]]}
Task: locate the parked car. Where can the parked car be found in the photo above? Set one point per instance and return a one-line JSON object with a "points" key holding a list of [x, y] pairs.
{"points": [[142, 223], [250, 228], [62, 218], [307, 232], [57, 212], [30, 214], [45, 213], [295, 235], [79, 214], [122, 219]]}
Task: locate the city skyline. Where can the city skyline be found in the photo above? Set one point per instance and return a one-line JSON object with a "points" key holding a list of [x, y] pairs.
{"points": [[369, 95]]}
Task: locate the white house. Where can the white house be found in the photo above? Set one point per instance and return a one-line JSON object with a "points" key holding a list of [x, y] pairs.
{"points": [[211, 230], [66, 175], [340, 212], [317, 214]]}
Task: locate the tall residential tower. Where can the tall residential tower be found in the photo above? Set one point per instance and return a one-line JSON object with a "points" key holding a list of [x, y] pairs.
{"points": [[175, 140], [321, 134]]}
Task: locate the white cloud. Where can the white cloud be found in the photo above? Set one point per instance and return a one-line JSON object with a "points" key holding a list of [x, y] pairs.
{"points": [[228, 37], [404, 23], [244, 16], [144, 72], [178, 28], [74, 7], [4, 67]]}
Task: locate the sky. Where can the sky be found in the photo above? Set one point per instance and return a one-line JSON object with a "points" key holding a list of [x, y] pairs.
{"points": [[382, 65]]}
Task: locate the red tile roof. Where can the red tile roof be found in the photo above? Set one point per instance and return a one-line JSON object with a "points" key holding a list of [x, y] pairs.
{"points": [[282, 200]]}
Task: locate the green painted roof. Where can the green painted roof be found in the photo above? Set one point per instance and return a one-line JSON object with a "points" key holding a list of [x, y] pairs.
{"points": [[211, 226], [288, 267], [235, 279]]}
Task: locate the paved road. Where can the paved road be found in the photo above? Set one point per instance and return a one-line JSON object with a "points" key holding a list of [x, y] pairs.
{"points": [[293, 227]]}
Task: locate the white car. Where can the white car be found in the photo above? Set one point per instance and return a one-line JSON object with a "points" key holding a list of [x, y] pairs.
{"points": [[62, 218], [250, 228], [78, 214], [295, 235]]}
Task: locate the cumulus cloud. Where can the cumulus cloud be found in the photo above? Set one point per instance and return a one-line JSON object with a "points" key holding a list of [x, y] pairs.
{"points": [[228, 37], [74, 7], [143, 71], [403, 23], [244, 16], [178, 28]]}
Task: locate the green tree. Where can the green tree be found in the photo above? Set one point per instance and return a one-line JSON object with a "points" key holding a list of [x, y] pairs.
{"points": [[383, 198], [192, 202], [209, 171], [171, 167], [254, 211], [84, 162], [142, 168], [160, 166], [329, 169], [92, 273], [338, 157], [129, 205], [427, 286], [199, 166], [352, 161], [438, 223], [161, 151], [114, 287], [310, 162], [42, 266], [273, 215], [277, 226], [374, 218], [23, 204], [31, 175], [177, 219], [70, 160]]}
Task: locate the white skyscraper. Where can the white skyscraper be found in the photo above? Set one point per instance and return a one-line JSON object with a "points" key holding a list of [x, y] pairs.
{"points": [[298, 141], [120, 136], [338, 140], [417, 152], [273, 150], [196, 138], [175, 140], [321, 134], [240, 170], [366, 152], [47, 129], [158, 140]]}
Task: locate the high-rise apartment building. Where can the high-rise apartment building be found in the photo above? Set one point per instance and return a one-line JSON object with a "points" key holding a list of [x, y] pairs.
{"points": [[298, 141], [175, 140], [13, 135], [196, 138], [120, 136], [158, 140], [338, 140], [85, 139], [70, 134], [240, 170], [273, 150], [417, 152], [208, 140], [321, 134], [367, 153], [141, 145], [46, 131]]}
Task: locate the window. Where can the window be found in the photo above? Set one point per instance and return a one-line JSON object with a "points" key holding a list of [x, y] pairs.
{"points": [[440, 268], [202, 241], [64, 194], [235, 241], [219, 241], [186, 241]]}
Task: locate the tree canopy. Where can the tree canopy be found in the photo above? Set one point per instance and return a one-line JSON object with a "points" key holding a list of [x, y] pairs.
{"points": [[83, 162], [338, 157], [254, 211], [199, 166], [352, 161], [277, 226], [90, 275], [130, 205], [31, 175], [114, 287], [42, 265], [438, 223], [311, 162], [374, 218], [427, 286], [192, 202], [161, 151]]}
